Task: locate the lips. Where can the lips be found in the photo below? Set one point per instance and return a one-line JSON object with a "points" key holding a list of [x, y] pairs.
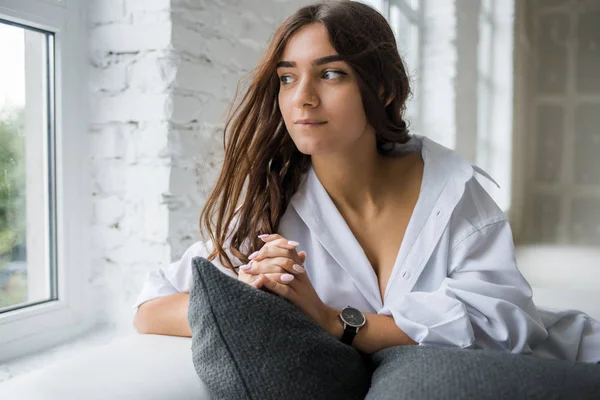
{"points": [[310, 122]]}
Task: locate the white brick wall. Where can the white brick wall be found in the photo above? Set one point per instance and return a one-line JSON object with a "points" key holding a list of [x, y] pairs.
{"points": [[215, 46], [132, 73], [162, 74]]}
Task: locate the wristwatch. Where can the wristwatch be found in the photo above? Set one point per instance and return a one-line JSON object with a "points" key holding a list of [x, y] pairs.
{"points": [[352, 320]]}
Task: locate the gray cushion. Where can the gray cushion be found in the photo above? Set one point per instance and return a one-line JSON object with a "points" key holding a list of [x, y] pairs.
{"points": [[250, 344], [413, 372]]}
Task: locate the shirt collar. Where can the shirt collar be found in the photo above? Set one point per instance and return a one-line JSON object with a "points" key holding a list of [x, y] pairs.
{"points": [[444, 177]]}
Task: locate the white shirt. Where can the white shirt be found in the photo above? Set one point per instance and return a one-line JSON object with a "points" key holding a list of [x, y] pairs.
{"points": [[455, 281]]}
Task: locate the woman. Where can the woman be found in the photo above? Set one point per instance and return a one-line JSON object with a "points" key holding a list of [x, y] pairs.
{"points": [[325, 199]]}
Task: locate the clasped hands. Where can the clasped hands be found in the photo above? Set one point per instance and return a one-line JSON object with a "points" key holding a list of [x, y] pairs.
{"points": [[277, 267]]}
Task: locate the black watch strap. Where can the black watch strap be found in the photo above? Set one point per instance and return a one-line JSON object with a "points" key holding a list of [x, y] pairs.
{"points": [[348, 336]]}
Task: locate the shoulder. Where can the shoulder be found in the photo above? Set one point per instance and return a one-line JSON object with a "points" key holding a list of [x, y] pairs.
{"points": [[198, 249], [475, 213], [203, 249], [475, 208]]}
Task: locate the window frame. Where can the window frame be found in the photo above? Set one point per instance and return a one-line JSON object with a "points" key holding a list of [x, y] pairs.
{"points": [[37, 327], [416, 19], [491, 81], [485, 79]]}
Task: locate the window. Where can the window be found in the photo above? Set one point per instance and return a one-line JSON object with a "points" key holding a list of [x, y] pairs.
{"points": [[494, 98], [405, 18], [42, 162], [27, 265]]}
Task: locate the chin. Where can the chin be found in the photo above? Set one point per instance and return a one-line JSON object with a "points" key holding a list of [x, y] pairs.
{"points": [[310, 147], [305, 151], [312, 150]]}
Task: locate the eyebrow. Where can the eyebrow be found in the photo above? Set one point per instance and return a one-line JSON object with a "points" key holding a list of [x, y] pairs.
{"points": [[318, 61]]}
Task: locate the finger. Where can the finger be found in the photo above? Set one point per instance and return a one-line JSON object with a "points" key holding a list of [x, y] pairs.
{"points": [[279, 240], [244, 277], [302, 256], [263, 267], [273, 265], [269, 237], [275, 252], [252, 280], [277, 264], [257, 283], [279, 288], [291, 264], [283, 279], [283, 243]]}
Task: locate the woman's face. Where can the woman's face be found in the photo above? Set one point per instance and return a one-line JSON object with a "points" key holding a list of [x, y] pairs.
{"points": [[319, 97]]}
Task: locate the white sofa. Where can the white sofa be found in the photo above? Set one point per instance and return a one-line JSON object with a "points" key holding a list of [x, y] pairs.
{"points": [[159, 367], [563, 277]]}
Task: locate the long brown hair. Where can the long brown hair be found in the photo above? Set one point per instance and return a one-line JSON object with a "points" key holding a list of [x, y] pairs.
{"points": [[262, 168]]}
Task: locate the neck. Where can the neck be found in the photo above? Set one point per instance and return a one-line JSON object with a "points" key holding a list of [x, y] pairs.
{"points": [[358, 181]]}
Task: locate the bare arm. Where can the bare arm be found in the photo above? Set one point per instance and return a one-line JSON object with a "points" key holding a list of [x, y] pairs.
{"points": [[166, 315], [379, 332]]}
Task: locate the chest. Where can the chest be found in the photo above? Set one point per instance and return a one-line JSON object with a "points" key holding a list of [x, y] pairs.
{"points": [[333, 247], [340, 282], [381, 239]]}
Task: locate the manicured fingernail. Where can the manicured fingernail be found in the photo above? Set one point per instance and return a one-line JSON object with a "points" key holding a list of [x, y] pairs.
{"points": [[245, 267], [253, 255], [287, 278], [293, 243], [263, 236], [298, 268]]}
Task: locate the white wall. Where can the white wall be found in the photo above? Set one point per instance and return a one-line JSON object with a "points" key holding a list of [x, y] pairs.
{"points": [[132, 74], [562, 189]]}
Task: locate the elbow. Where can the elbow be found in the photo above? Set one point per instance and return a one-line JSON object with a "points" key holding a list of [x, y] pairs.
{"points": [[140, 323]]}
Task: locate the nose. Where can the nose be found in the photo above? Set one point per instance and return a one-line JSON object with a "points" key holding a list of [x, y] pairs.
{"points": [[306, 95]]}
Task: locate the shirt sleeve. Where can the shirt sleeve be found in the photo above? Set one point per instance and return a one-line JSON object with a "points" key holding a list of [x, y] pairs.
{"points": [[484, 302], [177, 277]]}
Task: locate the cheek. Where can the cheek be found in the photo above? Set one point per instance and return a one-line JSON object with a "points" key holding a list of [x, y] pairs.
{"points": [[348, 109], [286, 114], [284, 105]]}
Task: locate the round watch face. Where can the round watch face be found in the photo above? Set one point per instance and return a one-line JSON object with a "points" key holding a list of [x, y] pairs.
{"points": [[353, 317]]}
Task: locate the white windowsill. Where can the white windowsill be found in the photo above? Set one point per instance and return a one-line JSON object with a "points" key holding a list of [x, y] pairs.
{"points": [[95, 337]]}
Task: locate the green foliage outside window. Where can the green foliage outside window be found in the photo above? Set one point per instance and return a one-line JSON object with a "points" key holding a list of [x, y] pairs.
{"points": [[12, 182]]}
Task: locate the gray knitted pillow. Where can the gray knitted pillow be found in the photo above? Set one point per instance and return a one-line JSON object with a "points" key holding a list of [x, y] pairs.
{"points": [[250, 344], [433, 373]]}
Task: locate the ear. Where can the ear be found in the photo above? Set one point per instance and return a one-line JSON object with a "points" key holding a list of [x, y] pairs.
{"points": [[390, 98]]}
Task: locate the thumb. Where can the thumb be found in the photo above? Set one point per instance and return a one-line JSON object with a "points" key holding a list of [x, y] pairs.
{"points": [[302, 255]]}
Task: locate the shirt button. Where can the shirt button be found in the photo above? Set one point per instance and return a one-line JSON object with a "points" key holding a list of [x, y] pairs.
{"points": [[405, 274]]}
